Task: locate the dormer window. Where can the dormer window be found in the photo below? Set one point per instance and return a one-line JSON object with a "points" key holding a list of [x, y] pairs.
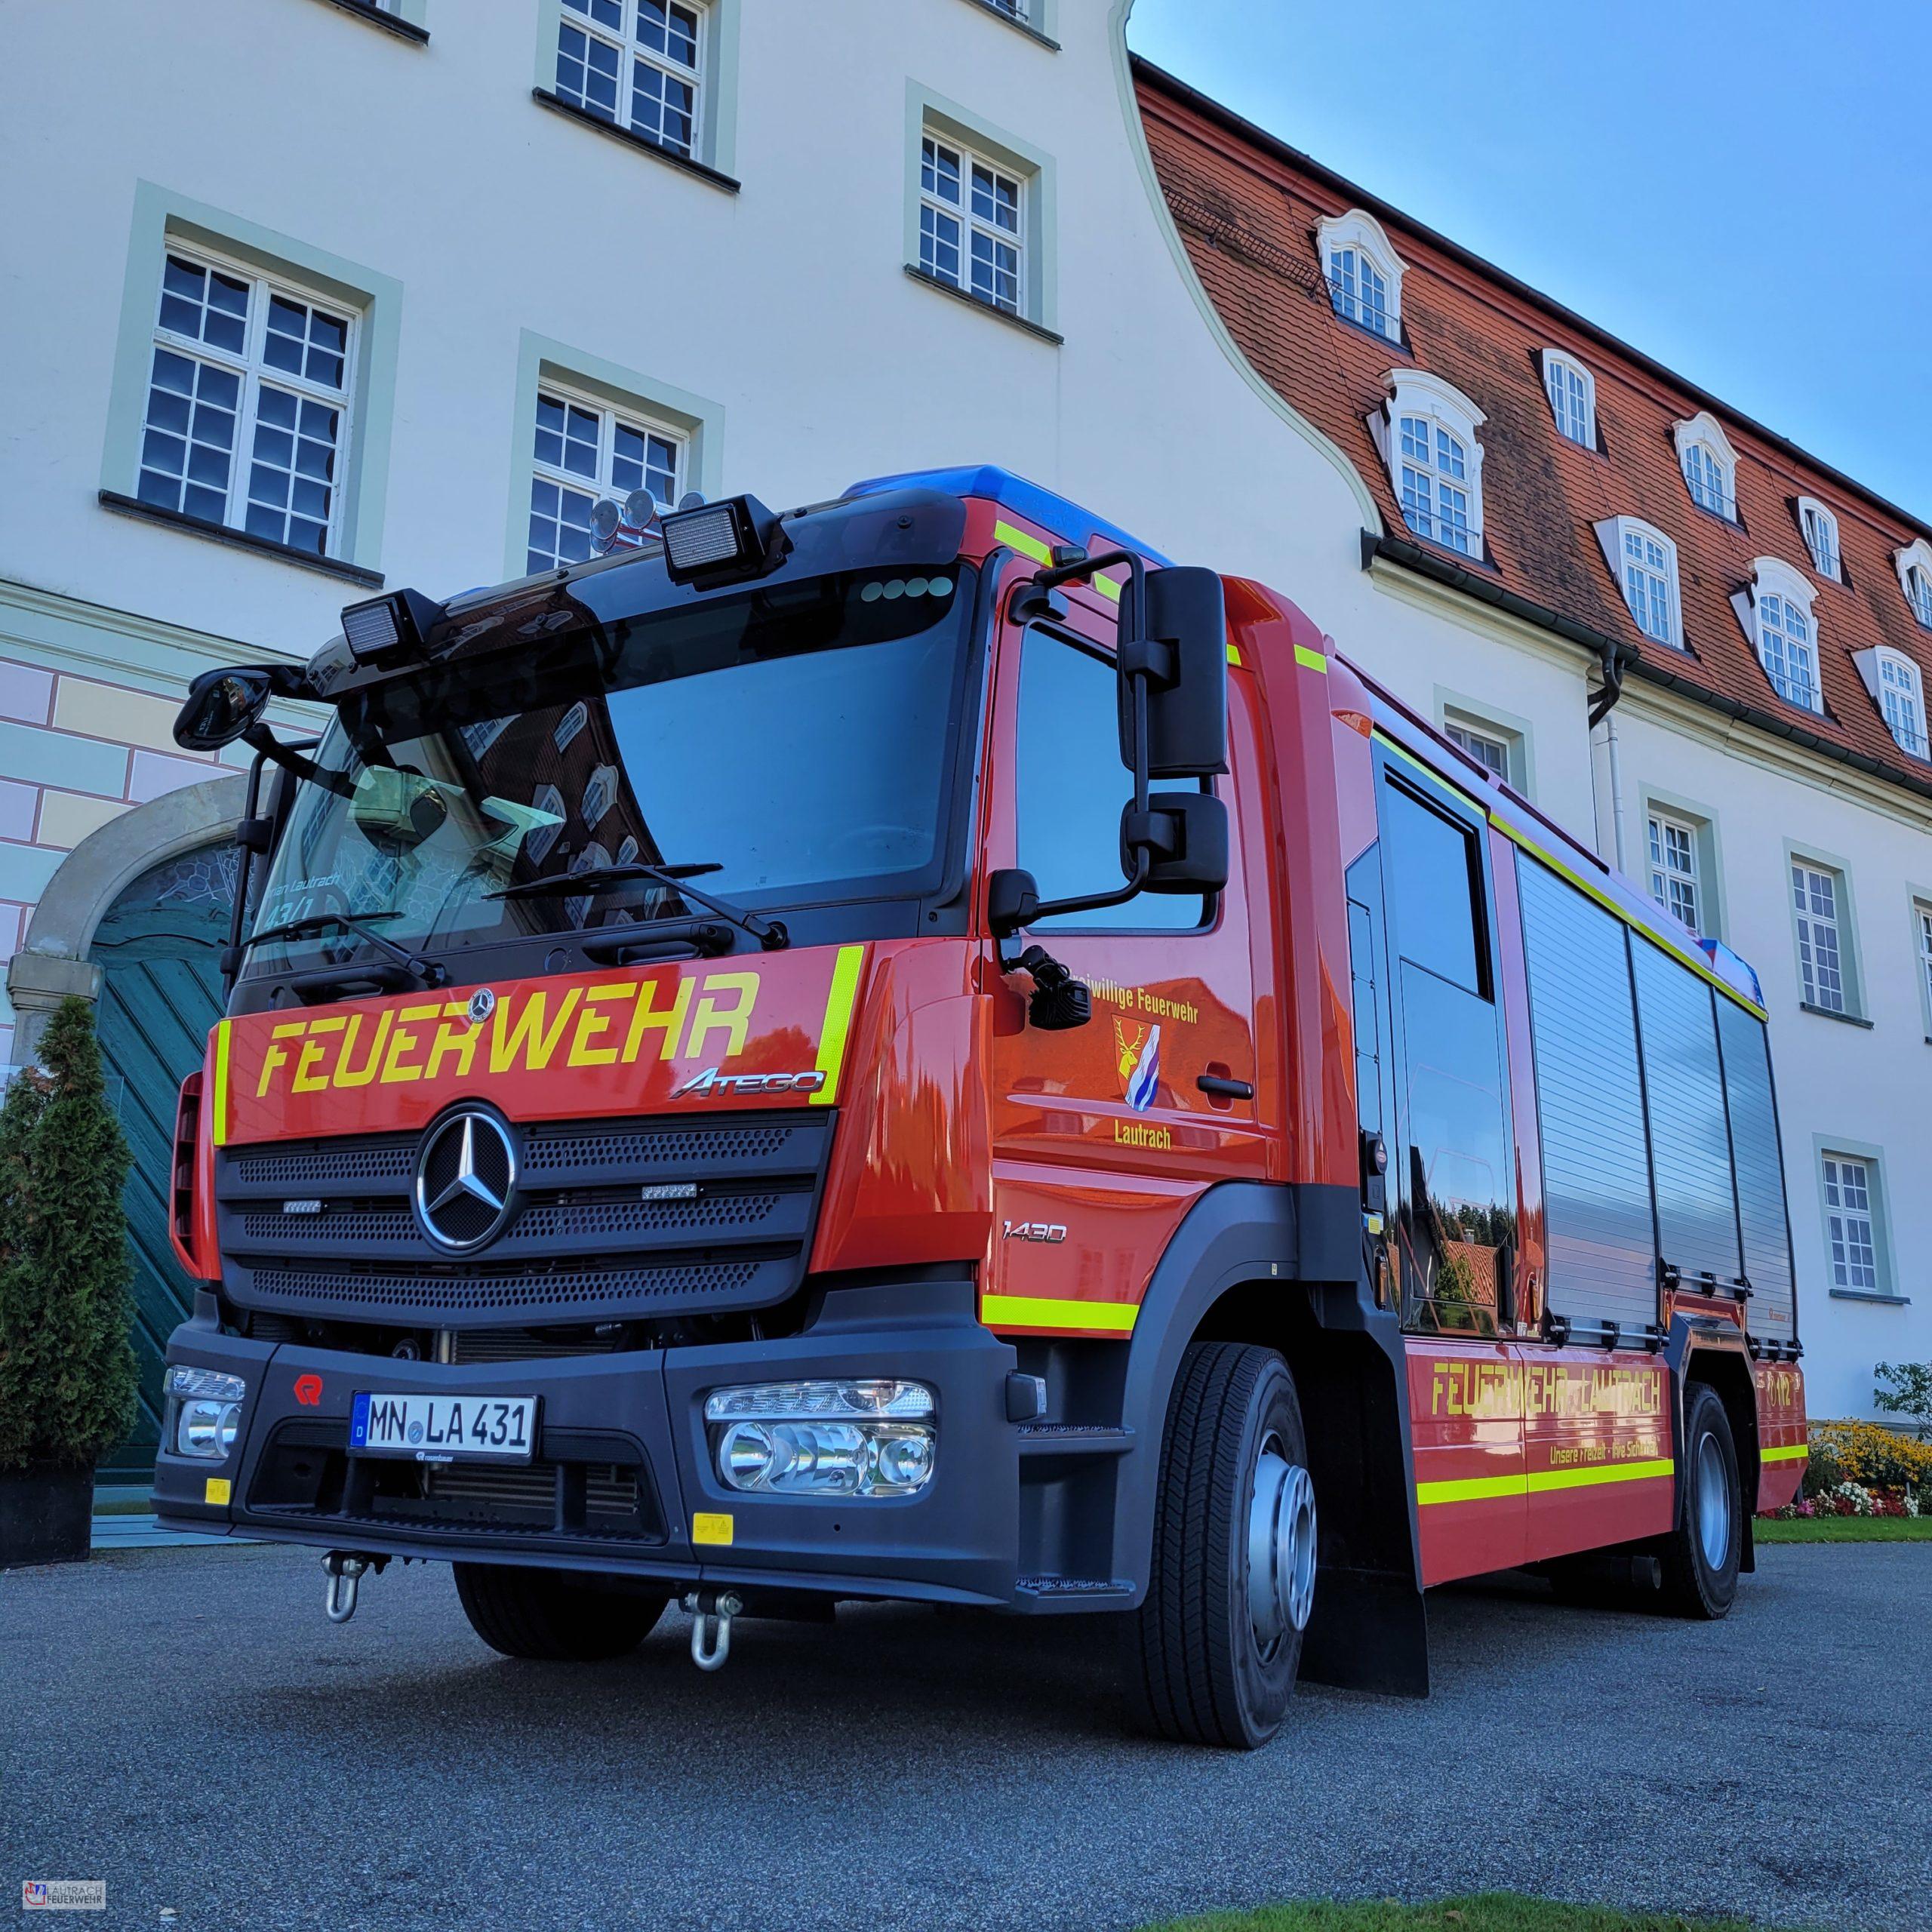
{"points": [[1643, 561], [1821, 537], [1777, 614], [1902, 698], [1709, 465], [1572, 391], [1426, 433], [1364, 274], [1915, 569]]}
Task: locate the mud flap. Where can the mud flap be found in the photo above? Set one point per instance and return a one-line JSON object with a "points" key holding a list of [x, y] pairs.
{"points": [[1370, 1631]]}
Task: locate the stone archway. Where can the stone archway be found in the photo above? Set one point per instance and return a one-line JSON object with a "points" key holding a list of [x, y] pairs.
{"points": [[53, 960], [134, 921]]}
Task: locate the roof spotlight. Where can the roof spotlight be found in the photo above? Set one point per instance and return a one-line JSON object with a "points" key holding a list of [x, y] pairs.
{"points": [[621, 526]]}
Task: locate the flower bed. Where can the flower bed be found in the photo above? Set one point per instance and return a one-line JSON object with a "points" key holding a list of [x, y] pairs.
{"points": [[1862, 1468]]}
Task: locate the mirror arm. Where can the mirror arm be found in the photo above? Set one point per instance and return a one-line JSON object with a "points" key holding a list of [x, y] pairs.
{"points": [[231, 956], [264, 743]]}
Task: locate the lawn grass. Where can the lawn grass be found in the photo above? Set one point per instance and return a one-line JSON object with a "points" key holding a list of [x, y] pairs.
{"points": [[1842, 1529], [1491, 1911]]}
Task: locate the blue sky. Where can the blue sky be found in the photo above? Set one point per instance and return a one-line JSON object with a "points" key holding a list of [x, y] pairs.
{"points": [[1742, 188]]}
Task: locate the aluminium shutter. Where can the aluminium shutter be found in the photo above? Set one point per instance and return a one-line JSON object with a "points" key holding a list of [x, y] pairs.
{"points": [[1589, 1104], [1690, 1142], [1772, 1311]]}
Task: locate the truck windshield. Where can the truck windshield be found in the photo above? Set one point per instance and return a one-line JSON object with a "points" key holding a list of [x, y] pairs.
{"points": [[794, 742]]}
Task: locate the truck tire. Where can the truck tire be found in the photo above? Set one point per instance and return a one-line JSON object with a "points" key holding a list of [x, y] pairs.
{"points": [[1701, 1555], [551, 1616], [1217, 1641]]}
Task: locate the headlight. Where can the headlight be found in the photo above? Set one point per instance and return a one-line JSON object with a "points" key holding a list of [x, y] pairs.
{"points": [[209, 1381], [824, 1439], [207, 1429], [207, 1411]]}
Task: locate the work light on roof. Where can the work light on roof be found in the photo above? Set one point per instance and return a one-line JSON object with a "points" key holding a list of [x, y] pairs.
{"points": [[398, 620], [716, 544]]}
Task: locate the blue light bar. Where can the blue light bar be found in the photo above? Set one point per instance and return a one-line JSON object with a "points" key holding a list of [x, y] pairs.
{"points": [[1038, 505], [1733, 971]]}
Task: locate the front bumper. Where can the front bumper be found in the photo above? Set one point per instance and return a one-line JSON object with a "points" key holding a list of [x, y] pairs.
{"points": [[622, 1444]]}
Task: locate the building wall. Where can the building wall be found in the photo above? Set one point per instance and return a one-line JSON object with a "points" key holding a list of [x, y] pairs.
{"points": [[491, 239]]}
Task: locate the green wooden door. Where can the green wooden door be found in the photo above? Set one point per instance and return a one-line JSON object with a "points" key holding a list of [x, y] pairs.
{"points": [[159, 947]]}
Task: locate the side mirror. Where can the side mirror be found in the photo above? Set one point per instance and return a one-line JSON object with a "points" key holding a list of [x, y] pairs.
{"points": [[1185, 836], [222, 706], [1181, 658], [1013, 896]]}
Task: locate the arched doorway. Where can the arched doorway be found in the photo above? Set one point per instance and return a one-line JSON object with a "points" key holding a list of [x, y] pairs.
{"points": [[158, 946], [136, 918]]}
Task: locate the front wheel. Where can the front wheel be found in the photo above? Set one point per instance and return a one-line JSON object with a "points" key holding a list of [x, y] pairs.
{"points": [[1702, 1554], [1217, 1643], [551, 1615]]}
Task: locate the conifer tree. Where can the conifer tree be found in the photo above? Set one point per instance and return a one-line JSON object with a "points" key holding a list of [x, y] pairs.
{"points": [[66, 1365]]}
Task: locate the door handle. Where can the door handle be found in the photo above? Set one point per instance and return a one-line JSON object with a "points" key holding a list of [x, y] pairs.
{"points": [[1230, 1090]]}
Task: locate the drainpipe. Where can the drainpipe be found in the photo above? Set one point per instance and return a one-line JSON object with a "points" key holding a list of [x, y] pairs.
{"points": [[1610, 839]]}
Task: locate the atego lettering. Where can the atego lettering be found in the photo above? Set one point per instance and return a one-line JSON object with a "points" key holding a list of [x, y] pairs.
{"points": [[712, 1084]]}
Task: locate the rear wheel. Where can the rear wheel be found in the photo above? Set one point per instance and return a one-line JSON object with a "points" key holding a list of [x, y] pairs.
{"points": [[552, 1615], [1701, 1555], [1216, 1644]]}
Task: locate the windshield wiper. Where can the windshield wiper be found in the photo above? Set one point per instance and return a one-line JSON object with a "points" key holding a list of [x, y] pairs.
{"points": [[770, 933], [363, 927]]}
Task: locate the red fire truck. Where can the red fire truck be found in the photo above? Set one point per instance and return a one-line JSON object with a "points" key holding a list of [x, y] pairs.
{"points": [[911, 1049]]}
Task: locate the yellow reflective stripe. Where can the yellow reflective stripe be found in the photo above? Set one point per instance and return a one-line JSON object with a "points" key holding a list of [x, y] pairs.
{"points": [[1234, 657], [1481, 1489], [1473, 1489], [1018, 540], [219, 1112], [1518, 836], [1108, 588], [1032, 1311], [1310, 660], [1788, 1455], [1548, 1479], [1428, 771], [838, 1004]]}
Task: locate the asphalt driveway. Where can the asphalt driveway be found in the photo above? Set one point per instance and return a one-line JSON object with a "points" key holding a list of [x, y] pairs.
{"points": [[184, 1723]]}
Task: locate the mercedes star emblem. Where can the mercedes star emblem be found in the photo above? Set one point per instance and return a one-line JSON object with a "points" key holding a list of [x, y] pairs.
{"points": [[466, 1176], [482, 1004]]}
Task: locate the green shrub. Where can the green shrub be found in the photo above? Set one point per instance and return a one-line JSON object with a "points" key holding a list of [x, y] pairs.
{"points": [[1906, 1390], [67, 1366]]}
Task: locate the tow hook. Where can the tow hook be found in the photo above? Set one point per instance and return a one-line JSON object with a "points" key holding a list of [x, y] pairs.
{"points": [[711, 1612], [344, 1571]]}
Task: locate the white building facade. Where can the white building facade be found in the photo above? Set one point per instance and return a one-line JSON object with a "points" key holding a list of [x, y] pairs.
{"points": [[375, 295]]}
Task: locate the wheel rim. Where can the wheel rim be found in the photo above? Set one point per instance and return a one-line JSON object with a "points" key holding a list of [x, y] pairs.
{"points": [[1281, 1547], [1713, 1503]]}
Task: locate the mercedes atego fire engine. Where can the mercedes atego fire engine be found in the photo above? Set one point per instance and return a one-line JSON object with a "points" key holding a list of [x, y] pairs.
{"points": [[912, 1049]]}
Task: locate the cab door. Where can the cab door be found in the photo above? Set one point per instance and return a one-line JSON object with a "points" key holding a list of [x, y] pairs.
{"points": [[1105, 1133], [1451, 1173]]}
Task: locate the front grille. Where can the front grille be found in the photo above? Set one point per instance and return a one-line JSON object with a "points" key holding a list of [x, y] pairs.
{"points": [[468, 1346], [608, 1490], [584, 1245], [600, 1490], [297, 1168], [642, 1291]]}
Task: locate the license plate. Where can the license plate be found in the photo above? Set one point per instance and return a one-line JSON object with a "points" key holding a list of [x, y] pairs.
{"points": [[463, 1429]]}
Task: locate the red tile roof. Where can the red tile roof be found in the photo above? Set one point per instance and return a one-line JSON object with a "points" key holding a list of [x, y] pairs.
{"points": [[1247, 206]]}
